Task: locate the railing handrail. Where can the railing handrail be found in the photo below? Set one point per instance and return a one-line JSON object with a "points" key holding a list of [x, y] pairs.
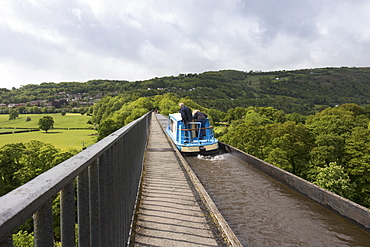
{"points": [[21, 203]]}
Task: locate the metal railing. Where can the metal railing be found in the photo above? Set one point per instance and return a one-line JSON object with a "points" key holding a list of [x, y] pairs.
{"points": [[187, 134], [106, 177]]}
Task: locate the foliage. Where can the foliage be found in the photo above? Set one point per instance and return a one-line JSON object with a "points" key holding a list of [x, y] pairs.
{"points": [[274, 120], [294, 141], [11, 157], [115, 113], [107, 127], [246, 137], [334, 178], [105, 108], [300, 91], [357, 157], [166, 104], [111, 113], [332, 121], [22, 239], [20, 162], [46, 123], [330, 148], [13, 114]]}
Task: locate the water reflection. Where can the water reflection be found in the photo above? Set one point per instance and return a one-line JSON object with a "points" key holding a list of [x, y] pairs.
{"points": [[264, 212]]}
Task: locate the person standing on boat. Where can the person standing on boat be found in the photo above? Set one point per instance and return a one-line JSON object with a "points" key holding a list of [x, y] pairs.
{"points": [[201, 117], [186, 117], [185, 114]]}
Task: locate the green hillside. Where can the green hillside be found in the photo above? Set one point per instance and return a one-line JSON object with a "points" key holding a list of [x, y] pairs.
{"points": [[302, 91]]}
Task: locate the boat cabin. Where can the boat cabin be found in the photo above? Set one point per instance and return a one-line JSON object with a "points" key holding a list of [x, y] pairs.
{"points": [[189, 139]]}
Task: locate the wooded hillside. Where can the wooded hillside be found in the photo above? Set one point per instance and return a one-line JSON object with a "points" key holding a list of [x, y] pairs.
{"points": [[300, 91]]}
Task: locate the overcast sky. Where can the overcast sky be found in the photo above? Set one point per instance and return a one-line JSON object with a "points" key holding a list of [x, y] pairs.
{"points": [[81, 40]]}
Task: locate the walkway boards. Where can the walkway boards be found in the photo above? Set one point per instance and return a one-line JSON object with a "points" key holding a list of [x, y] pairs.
{"points": [[168, 214]]}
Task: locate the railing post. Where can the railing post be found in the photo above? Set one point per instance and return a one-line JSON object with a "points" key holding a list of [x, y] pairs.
{"points": [[105, 199], [83, 207], [109, 203], [121, 180], [43, 223], [115, 189], [94, 204], [67, 215]]}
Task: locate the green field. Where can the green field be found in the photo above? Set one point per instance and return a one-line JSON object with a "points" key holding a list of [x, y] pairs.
{"points": [[70, 120], [63, 139]]}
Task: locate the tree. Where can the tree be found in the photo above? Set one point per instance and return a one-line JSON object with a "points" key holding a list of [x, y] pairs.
{"points": [[247, 137], [296, 117], [166, 103], [257, 119], [328, 148], [82, 110], [235, 113], [275, 115], [356, 109], [106, 127], [13, 114], [132, 110], [22, 109], [295, 140], [44, 110], [35, 110], [279, 158], [335, 179], [336, 121], [10, 160], [357, 152], [216, 115], [21, 162], [46, 123], [52, 109]]}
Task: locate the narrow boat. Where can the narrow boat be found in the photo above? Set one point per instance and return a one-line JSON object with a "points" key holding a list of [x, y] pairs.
{"points": [[188, 138]]}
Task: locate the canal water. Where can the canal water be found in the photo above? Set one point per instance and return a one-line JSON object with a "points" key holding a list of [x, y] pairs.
{"points": [[264, 212]]}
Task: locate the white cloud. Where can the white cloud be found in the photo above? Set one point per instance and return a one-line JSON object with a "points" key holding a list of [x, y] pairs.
{"points": [[71, 40]]}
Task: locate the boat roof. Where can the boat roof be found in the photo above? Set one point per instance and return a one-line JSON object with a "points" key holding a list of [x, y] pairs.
{"points": [[176, 116]]}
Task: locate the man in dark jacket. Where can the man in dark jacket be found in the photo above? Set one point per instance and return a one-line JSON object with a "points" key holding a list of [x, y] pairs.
{"points": [[185, 114], [186, 117], [202, 118]]}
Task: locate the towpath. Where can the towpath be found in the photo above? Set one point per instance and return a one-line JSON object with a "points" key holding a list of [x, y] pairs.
{"points": [[169, 212]]}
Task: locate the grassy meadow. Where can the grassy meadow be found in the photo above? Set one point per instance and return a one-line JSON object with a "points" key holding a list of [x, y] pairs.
{"points": [[60, 138], [70, 120]]}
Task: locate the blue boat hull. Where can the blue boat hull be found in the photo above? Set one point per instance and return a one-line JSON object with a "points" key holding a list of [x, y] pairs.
{"points": [[187, 138]]}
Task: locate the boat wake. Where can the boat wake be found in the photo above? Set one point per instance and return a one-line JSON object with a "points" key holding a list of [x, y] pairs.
{"points": [[212, 157]]}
